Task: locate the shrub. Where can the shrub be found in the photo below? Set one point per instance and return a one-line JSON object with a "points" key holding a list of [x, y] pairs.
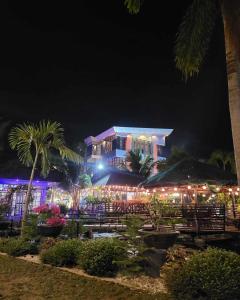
{"points": [[70, 229], [30, 230], [19, 247], [211, 274], [47, 243], [99, 257], [179, 253], [64, 253], [3, 242]]}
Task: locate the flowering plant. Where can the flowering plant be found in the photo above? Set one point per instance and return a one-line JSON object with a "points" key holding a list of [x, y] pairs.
{"points": [[46, 208], [49, 214], [56, 221]]}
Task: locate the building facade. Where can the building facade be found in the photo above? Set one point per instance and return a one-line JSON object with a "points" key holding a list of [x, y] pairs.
{"points": [[111, 146], [13, 191]]}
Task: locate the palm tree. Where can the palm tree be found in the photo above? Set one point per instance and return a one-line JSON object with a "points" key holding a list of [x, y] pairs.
{"points": [[138, 164], [222, 159], [34, 143], [192, 44]]}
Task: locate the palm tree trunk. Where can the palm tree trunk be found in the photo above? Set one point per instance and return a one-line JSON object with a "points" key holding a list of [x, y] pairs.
{"points": [[229, 7], [26, 204]]}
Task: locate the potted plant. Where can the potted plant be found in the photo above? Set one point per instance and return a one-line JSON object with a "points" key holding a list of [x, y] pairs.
{"points": [[163, 217], [50, 221], [4, 209]]}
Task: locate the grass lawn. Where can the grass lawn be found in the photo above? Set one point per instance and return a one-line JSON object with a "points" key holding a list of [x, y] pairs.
{"points": [[20, 280]]}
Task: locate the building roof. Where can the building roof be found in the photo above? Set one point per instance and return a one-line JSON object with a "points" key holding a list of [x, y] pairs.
{"points": [[13, 170], [190, 171], [124, 131], [117, 177]]}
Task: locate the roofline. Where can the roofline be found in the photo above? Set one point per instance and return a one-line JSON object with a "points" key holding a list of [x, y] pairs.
{"points": [[130, 130]]}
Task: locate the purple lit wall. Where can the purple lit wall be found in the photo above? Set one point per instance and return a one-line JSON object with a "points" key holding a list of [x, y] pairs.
{"points": [[40, 192]]}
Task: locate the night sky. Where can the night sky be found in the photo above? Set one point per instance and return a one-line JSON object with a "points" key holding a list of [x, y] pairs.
{"points": [[91, 65]]}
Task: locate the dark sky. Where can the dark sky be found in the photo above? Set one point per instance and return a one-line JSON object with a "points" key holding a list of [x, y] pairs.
{"points": [[91, 65]]}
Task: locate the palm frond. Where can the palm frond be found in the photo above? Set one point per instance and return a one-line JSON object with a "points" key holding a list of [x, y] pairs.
{"points": [[133, 6], [21, 138], [69, 154], [194, 36]]}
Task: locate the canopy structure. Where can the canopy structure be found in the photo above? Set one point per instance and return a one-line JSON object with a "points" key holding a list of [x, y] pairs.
{"points": [[117, 177], [190, 171]]}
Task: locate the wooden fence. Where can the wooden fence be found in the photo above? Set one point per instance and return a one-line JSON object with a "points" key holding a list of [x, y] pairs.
{"points": [[192, 218]]}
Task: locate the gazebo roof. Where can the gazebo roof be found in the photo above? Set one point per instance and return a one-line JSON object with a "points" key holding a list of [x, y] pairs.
{"points": [[117, 177], [190, 171]]}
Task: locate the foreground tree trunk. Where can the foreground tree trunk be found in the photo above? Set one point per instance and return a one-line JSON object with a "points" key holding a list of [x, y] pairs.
{"points": [[231, 18], [29, 190]]}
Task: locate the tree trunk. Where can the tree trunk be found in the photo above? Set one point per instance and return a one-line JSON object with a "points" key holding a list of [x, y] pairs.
{"points": [[26, 204], [231, 29]]}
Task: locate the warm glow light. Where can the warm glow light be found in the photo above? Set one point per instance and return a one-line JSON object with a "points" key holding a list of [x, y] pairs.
{"points": [[194, 195], [185, 195], [189, 187], [238, 189], [218, 189], [236, 193], [204, 187], [230, 190], [175, 189], [204, 195], [163, 190]]}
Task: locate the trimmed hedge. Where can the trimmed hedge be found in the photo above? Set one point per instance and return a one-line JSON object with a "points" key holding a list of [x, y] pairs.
{"points": [[99, 257], [211, 274], [18, 247], [64, 253]]}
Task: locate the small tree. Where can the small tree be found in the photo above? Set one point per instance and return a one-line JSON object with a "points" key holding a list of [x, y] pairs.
{"points": [[33, 143]]}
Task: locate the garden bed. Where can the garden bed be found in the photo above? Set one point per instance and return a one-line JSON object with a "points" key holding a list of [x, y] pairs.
{"points": [[26, 278], [142, 283]]}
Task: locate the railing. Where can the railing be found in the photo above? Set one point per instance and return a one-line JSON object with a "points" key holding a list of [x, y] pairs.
{"points": [[192, 218]]}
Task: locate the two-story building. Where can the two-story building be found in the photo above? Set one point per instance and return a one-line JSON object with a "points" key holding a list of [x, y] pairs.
{"points": [[111, 146]]}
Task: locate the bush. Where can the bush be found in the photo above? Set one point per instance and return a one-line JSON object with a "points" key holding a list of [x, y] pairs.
{"points": [[18, 247], [64, 253], [211, 274], [99, 257], [30, 230], [47, 243]]}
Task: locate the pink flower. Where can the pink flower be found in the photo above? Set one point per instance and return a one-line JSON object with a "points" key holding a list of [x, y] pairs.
{"points": [[55, 209], [55, 221], [44, 208]]}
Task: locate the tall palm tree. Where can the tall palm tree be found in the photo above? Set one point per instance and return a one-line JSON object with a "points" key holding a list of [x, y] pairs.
{"points": [[192, 44], [34, 143]]}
